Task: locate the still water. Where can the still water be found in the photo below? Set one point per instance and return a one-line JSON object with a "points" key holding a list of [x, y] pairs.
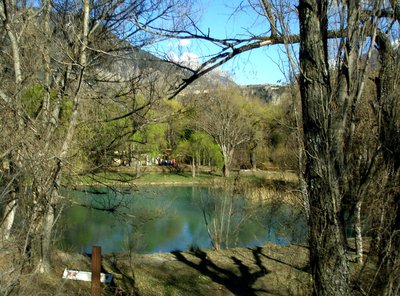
{"points": [[169, 218]]}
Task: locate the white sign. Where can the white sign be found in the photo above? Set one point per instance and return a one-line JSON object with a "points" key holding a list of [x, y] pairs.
{"points": [[85, 276]]}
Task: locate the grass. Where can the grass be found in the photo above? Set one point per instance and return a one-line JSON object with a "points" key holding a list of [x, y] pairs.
{"points": [[167, 176], [267, 270], [151, 175], [270, 186], [171, 178]]}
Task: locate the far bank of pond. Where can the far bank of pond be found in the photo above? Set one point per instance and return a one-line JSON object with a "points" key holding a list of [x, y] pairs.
{"points": [[152, 219], [162, 175]]}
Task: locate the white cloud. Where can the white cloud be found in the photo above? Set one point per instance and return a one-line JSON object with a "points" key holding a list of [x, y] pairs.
{"points": [[189, 59], [173, 56], [184, 42], [221, 72]]}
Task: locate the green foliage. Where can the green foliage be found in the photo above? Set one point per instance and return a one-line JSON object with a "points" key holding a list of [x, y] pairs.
{"points": [[97, 136], [172, 105], [175, 129], [153, 137], [280, 135], [66, 110], [198, 144], [32, 98]]}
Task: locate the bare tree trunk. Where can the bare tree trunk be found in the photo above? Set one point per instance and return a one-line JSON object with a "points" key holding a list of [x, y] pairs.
{"points": [[388, 94], [10, 208], [358, 232], [6, 12], [8, 217], [44, 264], [48, 220], [328, 258], [227, 155], [253, 161], [47, 58], [138, 167], [193, 167]]}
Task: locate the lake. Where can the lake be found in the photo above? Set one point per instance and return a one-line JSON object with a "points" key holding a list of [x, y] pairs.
{"points": [[168, 218]]}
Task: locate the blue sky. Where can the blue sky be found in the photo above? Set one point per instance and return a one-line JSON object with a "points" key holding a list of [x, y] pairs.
{"points": [[259, 66]]}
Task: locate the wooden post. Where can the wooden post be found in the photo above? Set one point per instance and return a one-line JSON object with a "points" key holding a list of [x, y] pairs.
{"points": [[96, 269]]}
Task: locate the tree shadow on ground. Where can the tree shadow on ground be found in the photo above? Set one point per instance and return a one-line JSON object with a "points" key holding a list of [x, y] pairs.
{"points": [[239, 284], [123, 283], [259, 252]]}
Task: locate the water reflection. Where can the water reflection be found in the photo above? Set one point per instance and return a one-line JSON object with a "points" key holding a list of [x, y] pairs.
{"points": [[164, 219]]}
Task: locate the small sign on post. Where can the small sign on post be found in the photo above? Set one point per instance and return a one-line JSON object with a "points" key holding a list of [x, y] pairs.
{"points": [[85, 276], [95, 276]]}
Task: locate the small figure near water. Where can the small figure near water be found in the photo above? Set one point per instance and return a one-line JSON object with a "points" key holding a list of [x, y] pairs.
{"points": [[171, 162]]}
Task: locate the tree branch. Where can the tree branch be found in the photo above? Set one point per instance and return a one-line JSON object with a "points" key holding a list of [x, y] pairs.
{"points": [[230, 52]]}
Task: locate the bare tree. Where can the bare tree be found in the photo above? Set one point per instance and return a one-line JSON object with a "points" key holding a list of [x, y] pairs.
{"points": [[227, 118], [224, 216], [82, 47], [388, 240]]}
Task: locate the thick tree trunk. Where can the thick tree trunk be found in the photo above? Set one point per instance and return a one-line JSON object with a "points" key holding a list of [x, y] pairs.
{"points": [[227, 155], [388, 96], [253, 161], [44, 261], [328, 258], [389, 249]]}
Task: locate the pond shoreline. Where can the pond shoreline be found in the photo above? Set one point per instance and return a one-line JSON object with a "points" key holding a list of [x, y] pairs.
{"points": [[269, 186]]}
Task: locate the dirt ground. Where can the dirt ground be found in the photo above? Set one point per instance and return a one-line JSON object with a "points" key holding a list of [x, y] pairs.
{"points": [[267, 270]]}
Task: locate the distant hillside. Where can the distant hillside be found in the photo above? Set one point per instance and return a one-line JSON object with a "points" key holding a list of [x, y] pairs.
{"points": [[116, 60], [131, 61], [269, 93]]}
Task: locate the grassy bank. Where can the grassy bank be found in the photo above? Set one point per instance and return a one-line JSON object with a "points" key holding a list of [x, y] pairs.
{"points": [[266, 270], [128, 176], [272, 186]]}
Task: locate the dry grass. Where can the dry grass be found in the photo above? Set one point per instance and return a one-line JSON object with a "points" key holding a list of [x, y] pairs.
{"points": [[267, 270], [270, 270], [274, 196], [23, 281]]}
